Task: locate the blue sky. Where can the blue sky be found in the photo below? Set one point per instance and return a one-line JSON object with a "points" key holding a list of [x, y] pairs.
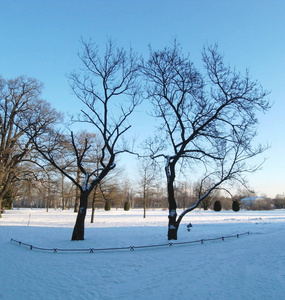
{"points": [[40, 39]]}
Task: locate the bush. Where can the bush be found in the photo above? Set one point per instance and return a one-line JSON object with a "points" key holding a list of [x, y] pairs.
{"points": [[7, 201], [279, 202], [108, 206], [127, 206], [260, 204], [217, 206], [236, 206], [226, 203]]}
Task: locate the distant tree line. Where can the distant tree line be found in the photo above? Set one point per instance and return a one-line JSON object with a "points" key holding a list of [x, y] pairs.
{"points": [[61, 194]]}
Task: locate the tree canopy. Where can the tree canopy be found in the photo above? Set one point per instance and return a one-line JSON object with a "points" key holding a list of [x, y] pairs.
{"points": [[208, 119], [21, 110]]}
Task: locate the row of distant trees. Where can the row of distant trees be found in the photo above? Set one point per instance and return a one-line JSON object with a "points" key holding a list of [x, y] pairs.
{"points": [[57, 193], [207, 123]]}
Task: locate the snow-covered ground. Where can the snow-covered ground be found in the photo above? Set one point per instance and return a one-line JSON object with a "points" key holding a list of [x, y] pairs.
{"points": [[249, 267]]}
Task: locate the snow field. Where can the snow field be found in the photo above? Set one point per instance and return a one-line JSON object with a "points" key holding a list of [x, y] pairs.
{"points": [[249, 267]]}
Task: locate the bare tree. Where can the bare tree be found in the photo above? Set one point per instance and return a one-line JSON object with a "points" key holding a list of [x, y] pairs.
{"points": [[128, 193], [201, 187], [21, 109], [146, 182], [209, 120], [184, 193], [107, 191], [107, 86]]}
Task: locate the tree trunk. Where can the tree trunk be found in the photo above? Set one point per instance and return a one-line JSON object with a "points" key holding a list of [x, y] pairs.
{"points": [[78, 231], [64, 202], [170, 175], [172, 225], [93, 205], [77, 193], [48, 198], [92, 213]]}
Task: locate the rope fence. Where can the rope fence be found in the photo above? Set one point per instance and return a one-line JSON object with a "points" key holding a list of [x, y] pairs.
{"points": [[131, 248]]}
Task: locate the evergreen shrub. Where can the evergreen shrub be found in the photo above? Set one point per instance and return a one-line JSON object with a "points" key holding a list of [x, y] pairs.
{"points": [[108, 206], [127, 206], [236, 206], [217, 206]]}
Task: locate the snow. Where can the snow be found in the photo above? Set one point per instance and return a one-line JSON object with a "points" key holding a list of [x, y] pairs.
{"points": [[249, 267]]}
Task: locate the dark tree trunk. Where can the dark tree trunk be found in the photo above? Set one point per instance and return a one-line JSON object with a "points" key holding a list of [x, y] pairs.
{"points": [[78, 231], [93, 205], [77, 193], [172, 224], [92, 211]]}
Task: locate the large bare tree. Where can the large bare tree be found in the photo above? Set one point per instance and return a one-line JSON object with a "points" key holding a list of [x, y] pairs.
{"points": [[21, 109], [208, 121], [107, 86]]}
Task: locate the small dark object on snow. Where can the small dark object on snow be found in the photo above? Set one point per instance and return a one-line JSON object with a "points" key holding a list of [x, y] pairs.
{"points": [[189, 226]]}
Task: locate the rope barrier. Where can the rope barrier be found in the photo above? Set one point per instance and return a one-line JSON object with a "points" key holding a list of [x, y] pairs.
{"points": [[130, 248]]}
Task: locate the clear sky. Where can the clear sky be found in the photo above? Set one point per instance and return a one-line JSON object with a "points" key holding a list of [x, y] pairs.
{"points": [[40, 39]]}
